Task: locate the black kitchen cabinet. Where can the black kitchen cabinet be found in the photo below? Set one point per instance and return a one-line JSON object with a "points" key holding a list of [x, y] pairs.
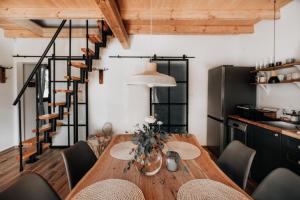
{"points": [[291, 153], [268, 151]]}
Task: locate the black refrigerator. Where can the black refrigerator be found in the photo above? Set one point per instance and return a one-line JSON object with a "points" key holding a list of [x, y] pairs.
{"points": [[228, 86]]}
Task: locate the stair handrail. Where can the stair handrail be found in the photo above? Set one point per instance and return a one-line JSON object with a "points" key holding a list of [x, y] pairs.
{"points": [[38, 64]]}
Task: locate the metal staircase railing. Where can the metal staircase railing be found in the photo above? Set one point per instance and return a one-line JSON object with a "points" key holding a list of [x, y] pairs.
{"points": [[38, 64], [50, 128], [18, 99]]}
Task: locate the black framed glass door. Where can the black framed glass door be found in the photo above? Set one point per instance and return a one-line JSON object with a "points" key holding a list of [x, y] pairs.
{"points": [[170, 104]]}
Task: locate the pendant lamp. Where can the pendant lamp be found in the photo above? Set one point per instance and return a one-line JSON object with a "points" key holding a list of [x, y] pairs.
{"points": [[152, 78]]}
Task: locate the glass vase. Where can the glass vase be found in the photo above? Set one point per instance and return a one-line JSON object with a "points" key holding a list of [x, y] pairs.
{"points": [[150, 165]]}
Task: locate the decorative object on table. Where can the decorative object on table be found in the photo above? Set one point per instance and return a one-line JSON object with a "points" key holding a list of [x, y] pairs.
{"points": [[150, 141], [172, 161], [107, 129], [206, 189], [185, 150], [98, 143], [274, 78], [111, 189], [122, 150], [3, 77]]}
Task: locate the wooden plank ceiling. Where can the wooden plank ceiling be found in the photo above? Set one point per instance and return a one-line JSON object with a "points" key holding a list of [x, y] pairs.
{"points": [[133, 16]]}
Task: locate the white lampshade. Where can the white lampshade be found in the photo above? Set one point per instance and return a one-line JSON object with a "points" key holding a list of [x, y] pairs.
{"points": [[152, 78]]}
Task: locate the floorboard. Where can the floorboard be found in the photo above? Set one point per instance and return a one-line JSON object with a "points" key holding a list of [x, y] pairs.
{"points": [[50, 165]]}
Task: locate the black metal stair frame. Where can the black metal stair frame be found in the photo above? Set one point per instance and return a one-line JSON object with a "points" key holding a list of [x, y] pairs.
{"points": [[70, 83]]}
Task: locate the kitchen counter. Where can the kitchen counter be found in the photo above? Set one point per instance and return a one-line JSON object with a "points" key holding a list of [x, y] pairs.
{"points": [[290, 133]]}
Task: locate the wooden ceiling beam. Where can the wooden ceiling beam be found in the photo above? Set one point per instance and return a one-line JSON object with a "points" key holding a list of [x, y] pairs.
{"points": [[189, 30], [212, 22], [28, 25], [50, 13], [171, 14], [110, 10]]}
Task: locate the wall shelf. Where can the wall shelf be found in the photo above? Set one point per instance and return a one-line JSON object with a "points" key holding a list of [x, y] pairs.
{"points": [[266, 86], [284, 66]]}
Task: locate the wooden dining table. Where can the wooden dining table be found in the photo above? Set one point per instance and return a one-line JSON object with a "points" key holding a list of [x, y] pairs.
{"points": [[165, 184]]}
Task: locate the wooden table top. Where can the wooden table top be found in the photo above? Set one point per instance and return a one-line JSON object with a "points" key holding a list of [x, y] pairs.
{"points": [[163, 185]]}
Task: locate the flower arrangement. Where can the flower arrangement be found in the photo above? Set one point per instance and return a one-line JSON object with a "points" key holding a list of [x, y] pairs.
{"points": [[150, 140]]}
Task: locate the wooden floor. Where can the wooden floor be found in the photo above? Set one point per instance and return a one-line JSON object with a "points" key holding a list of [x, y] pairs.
{"points": [[50, 166]]}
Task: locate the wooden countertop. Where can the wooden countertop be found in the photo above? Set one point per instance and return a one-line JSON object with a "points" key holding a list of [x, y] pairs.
{"points": [[163, 185], [289, 133]]}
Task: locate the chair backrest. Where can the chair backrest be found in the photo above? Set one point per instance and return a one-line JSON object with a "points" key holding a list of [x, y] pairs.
{"points": [[236, 161], [280, 184], [30, 186], [78, 159]]}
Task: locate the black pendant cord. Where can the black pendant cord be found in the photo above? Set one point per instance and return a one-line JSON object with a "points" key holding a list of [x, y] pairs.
{"points": [[69, 79], [274, 36]]}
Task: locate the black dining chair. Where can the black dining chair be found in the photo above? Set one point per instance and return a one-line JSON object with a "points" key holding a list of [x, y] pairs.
{"points": [[29, 186], [236, 161], [280, 184], [78, 159]]}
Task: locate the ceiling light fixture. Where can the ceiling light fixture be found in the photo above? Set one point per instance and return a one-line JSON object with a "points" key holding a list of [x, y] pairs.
{"points": [[151, 77]]}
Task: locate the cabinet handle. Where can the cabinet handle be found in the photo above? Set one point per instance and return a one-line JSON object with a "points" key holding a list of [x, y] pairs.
{"points": [[298, 162], [299, 147], [276, 135]]}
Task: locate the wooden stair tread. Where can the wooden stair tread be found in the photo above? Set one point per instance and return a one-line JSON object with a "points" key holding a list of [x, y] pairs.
{"points": [[43, 128], [32, 141], [27, 152], [78, 65], [91, 52], [65, 90], [57, 104], [74, 78], [94, 38], [47, 127], [50, 116]]}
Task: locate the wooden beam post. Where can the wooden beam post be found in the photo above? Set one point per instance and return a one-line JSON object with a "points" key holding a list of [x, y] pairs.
{"points": [[110, 10]]}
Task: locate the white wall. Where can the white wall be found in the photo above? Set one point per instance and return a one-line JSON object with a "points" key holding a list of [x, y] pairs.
{"points": [[8, 122], [124, 106]]}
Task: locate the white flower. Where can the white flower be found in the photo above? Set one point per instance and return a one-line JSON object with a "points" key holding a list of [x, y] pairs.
{"points": [[150, 120], [160, 123]]}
